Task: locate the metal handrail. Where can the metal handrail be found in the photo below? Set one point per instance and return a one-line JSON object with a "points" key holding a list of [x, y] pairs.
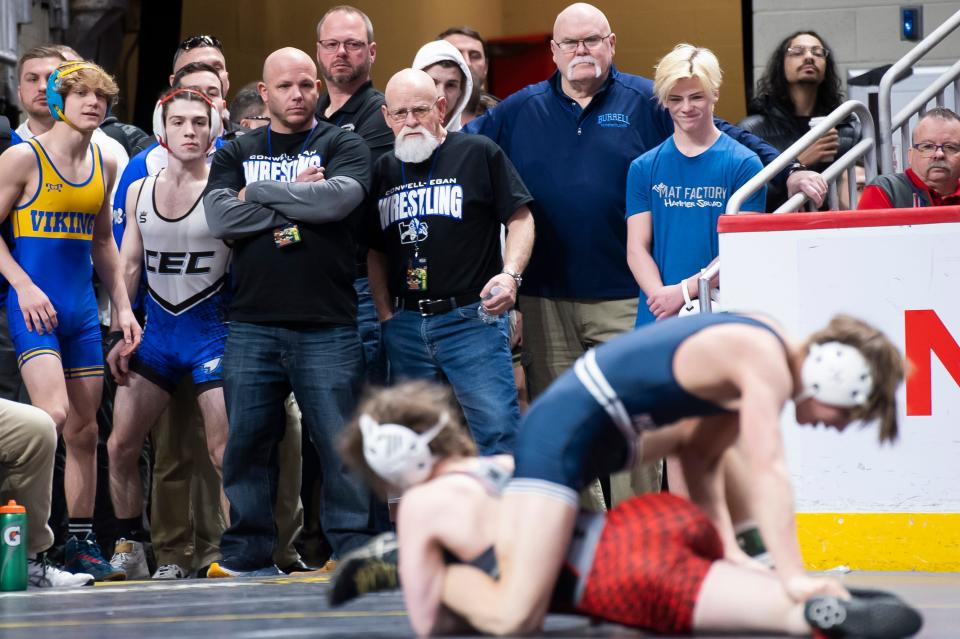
{"points": [[863, 149], [703, 286], [885, 106]]}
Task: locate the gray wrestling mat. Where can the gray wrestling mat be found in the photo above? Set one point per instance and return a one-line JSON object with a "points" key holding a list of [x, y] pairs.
{"points": [[297, 607]]}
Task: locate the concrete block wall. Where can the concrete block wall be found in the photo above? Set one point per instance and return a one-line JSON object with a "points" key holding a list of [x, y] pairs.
{"points": [[861, 34], [29, 34]]}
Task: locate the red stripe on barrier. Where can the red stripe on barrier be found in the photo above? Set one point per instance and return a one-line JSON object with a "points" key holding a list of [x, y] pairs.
{"points": [[756, 222]]}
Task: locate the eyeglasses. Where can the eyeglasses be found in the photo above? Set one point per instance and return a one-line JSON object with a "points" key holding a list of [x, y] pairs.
{"points": [[929, 149], [334, 45], [815, 51], [590, 42], [200, 41], [263, 118], [418, 112]]}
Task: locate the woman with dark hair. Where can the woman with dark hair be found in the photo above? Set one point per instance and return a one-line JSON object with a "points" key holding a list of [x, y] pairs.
{"points": [[800, 82]]}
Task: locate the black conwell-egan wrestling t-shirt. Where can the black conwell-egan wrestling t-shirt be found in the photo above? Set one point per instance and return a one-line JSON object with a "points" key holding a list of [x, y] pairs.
{"points": [[444, 215], [309, 281]]}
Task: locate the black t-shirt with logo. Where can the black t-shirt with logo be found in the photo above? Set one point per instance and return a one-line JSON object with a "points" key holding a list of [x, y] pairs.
{"points": [[310, 281], [447, 211]]}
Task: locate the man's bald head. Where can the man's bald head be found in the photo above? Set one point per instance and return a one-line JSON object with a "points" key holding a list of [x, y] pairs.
{"points": [[414, 112], [412, 82], [583, 46], [285, 58], [580, 13], [290, 90]]}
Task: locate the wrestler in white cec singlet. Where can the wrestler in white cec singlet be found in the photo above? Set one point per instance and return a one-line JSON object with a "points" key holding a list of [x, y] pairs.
{"points": [[183, 262]]}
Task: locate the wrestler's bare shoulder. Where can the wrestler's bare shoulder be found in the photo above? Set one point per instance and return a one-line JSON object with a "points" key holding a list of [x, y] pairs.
{"points": [[19, 157], [714, 362]]}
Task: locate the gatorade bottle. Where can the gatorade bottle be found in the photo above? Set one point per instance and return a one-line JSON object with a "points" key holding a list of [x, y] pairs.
{"points": [[13, 547]]}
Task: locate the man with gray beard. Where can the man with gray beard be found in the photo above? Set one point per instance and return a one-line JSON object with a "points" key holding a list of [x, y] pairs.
{"points": [[440, 284], [345, 52]]}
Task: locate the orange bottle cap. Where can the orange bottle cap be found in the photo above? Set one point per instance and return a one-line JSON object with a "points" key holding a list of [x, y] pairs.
{"points": [[11, 508]]}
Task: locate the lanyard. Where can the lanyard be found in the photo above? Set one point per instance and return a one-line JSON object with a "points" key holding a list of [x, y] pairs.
{"points": [[302, 148], [403, 178], [433, 165]]}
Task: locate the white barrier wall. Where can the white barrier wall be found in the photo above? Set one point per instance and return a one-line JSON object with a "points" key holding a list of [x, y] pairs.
{"points": [[868, 507]]}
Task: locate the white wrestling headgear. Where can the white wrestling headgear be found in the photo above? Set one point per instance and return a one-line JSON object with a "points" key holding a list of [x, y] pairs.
{"points": [[396, 453], [159, 126], [836, 374]]}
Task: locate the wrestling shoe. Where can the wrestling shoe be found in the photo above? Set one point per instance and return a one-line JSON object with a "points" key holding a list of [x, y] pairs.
{"points": [[43, 574], [85, 556], [170, 571], [870, 614], [218, 570], [750, 542], [130, 558], [371, 568], [297, 567]]}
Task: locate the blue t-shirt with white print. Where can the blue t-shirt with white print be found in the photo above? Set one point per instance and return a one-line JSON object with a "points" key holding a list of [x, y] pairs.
{"points": [[686, 196]]}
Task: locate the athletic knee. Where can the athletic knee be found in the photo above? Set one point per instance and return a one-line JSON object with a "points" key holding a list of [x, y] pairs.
{"points": [[81, 436], [121, 451]]}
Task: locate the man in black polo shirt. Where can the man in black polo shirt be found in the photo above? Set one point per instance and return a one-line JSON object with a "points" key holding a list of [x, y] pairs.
{"points": [[345, 52], [440, 199], [283, 195]]}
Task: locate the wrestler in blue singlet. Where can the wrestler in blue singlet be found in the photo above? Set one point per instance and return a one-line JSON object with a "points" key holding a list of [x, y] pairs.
{"points": [[186, 273], [52, 235], [586, 423]]}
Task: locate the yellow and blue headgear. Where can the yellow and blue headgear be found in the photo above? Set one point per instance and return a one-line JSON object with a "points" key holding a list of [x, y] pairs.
{"points": [[54, 97]]}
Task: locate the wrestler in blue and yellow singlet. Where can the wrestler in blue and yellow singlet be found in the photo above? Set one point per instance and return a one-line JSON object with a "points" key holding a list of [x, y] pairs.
{"points": [[53, 235]]}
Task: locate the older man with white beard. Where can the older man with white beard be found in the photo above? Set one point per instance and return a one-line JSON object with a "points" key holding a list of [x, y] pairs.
{"points": [[440, 284]]}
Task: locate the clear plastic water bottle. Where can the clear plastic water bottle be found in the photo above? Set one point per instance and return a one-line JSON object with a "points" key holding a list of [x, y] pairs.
{"points": [[483, 313]]}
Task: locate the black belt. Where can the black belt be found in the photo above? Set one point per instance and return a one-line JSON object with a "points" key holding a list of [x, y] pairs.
{"points": [[428, 307]]}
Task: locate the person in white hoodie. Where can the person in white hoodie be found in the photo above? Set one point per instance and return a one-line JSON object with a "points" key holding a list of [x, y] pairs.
{"points": [[444, 63]]}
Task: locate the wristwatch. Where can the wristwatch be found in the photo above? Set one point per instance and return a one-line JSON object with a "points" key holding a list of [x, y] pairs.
{"points": [[796, 166], [516, 276]]}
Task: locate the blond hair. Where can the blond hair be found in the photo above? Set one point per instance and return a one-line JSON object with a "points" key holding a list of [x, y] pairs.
{"points": [[886, 368], [687, 61], [89, 75], [417, 405]]}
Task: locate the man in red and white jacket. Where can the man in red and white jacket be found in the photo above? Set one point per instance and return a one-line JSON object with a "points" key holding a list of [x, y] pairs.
{"points": [[933, 178]]}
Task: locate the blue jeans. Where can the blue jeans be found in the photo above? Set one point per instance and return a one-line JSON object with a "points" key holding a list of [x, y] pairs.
{"points": [[469, 353], [374, 357], [262, 364]]}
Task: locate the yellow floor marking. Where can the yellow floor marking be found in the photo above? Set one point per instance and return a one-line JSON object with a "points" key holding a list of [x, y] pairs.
{"points": [[329, 614], [290, 579]]}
